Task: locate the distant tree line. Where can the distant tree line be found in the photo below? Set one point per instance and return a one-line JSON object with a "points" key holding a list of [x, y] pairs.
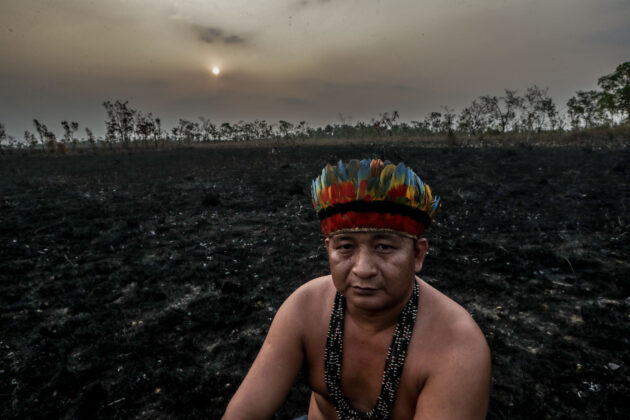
{"points": [[530, 113]]}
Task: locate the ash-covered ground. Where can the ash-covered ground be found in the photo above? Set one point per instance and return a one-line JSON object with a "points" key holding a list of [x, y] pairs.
{"points": [[141, 284]]}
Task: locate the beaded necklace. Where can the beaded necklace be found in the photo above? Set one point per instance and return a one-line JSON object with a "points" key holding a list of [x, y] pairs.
{"points": [[393, 363]]}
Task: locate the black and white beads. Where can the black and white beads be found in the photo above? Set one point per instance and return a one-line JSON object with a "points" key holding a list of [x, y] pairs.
{"points": [[393, 363]]}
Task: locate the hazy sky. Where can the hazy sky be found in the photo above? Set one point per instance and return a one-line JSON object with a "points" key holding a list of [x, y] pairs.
{"points": [[294, 59]]}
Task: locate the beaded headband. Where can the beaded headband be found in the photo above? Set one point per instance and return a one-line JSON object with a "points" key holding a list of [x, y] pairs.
{"points": [[371, 195]]}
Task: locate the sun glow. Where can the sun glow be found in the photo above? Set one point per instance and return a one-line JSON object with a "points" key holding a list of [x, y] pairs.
{"points": [[216, 70]]}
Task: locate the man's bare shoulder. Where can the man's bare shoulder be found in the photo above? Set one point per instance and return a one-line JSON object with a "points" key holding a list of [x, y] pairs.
{"points": [[456, 359], [313, 290], [282, 354], [448, 332], [310, 298], [452, 320], [316, 285]]}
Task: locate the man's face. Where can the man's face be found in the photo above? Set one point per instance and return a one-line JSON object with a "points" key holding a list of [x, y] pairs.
{"points": [[374, 270]]}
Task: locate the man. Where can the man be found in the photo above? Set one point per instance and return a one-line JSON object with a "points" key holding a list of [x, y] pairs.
{"points": [[377, 341]]}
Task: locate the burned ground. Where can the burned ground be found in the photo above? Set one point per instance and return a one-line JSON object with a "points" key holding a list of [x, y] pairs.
{"points": [[140, 285]]}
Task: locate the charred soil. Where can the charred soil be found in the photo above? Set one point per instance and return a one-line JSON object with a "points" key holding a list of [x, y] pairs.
{"points": [[141, 285]]}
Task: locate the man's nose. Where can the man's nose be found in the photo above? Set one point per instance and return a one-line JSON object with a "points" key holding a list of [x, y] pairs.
{"points": [[363, 263]]}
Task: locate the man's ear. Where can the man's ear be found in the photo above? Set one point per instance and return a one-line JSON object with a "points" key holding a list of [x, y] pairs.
{"points": [[421, 247], [327, 242]]}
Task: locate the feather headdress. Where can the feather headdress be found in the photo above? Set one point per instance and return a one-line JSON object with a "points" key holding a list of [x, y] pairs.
{"points": [[372, 195]]}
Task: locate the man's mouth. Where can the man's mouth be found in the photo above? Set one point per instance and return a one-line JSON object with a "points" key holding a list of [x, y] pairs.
{"points": [[364, 290]]}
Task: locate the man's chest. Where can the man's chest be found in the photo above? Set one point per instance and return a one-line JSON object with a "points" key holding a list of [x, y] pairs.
{"points": [[362, 369], [363, 365]]}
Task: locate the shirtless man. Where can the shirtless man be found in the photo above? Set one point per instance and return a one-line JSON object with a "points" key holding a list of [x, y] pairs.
{"points": [[377, 341]]}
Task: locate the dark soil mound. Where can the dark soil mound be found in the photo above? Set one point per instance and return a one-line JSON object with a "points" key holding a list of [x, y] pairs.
{"points": [[141, 285]]}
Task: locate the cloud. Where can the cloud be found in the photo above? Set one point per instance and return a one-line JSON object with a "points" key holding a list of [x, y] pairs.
{"points": [[306, 3], [293, 101], [233, 39], [157, 83], [615, 35], [213, 35], [209, 35]]}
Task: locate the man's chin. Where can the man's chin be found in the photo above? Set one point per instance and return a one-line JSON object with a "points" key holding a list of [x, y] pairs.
{"points": [[367, 299]]}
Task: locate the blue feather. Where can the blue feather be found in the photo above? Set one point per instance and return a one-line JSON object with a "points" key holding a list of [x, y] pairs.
{"points": [[341, 171], [364, 170]]}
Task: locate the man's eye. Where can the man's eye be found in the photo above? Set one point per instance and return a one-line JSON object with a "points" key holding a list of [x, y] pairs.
{"points": [[384, 247], [344, 246]]}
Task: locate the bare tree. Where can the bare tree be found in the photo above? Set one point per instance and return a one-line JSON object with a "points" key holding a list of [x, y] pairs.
{"points": [[208, 130], [48, 138], [41, 130], [68, 132], [90, 138], [539, 111], [474, 119], [3, 136], [144, 126], [7, 140], [30, 139], [448, 121], [120, 121], [390, 121], [242, 131], [265, 129], [226, 131], [420, 127], [433, 122], [187, 131], [158, 134], [302, 129], [387, 122], [502, 110], [584, 110], [285, 128]]}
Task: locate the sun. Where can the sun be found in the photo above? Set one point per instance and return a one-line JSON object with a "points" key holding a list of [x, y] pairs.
{"points": [[216, 70]]}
